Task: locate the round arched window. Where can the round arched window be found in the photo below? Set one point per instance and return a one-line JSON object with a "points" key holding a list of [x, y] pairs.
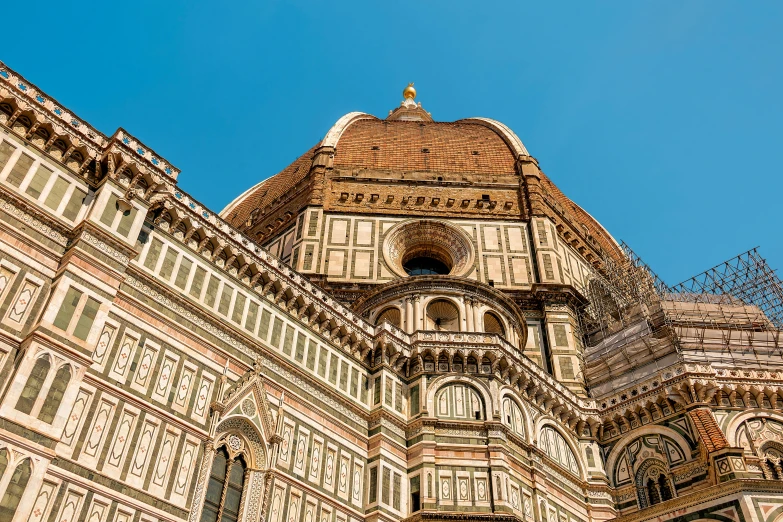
{"points": [[424, 265], [428, 247]]}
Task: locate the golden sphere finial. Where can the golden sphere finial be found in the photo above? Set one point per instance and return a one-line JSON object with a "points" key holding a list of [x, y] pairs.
{"points": [[409, 92]]}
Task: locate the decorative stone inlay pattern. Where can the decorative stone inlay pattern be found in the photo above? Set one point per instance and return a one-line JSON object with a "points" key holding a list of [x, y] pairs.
{"points": [[191, 315], [248, 407], [105, 248], [305, 385], [37, 224], [234, 442]]}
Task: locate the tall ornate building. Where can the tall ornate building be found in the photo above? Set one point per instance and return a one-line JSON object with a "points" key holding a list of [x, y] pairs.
{"points": [[410, 321]]}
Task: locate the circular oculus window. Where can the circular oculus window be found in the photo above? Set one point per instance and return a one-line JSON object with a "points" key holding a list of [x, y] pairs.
{"points": [[427, 247]]}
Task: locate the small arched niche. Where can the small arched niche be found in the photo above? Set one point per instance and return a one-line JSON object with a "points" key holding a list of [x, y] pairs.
{"points": [[442, 315], [493, 324], [389, 315]]}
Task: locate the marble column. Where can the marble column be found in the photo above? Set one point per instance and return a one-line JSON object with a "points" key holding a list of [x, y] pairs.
{"points": [[409, 324], [417, 316], [463, 320]]}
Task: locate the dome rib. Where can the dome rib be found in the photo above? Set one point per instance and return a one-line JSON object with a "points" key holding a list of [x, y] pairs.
{"points": [[261, 194], [337, 130], [511, 139]]}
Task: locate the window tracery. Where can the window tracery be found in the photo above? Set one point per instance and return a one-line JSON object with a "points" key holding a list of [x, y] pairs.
{"points": [[55, 395], [223, 498], [556, 448], [654, 483], [771, 455], [28, 403], [457, 401], [512, 416]]}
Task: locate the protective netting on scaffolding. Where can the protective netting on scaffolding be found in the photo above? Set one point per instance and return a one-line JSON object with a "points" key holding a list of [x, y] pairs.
{"points": [[726, 313]]}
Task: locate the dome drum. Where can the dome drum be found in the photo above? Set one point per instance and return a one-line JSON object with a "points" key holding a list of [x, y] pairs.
{"points": [[437, 303]]}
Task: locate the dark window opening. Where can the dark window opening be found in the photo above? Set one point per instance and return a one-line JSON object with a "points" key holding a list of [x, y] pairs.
{"points": [[652, 492], [663, 485], [415, 494], [425, 266]]}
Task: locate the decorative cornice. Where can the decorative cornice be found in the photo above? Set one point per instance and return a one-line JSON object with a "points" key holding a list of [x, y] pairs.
{"points": [[48, 227], [31, 98], [119, 254]]}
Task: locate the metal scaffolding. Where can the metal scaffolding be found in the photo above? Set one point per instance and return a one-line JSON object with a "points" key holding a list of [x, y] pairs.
{"points": [[746, 279], [731, 314]]}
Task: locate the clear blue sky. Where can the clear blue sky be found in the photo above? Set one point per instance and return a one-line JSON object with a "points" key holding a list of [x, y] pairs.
{"points": [[662, 119]]}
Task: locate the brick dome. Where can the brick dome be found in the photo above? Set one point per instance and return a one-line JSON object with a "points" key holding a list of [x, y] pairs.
{"points": [[408, 141]]}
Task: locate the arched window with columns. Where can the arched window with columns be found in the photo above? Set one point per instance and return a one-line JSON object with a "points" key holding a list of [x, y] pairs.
{"points": [[234, 472], [654, 483], [223, 498], [771, 457]]}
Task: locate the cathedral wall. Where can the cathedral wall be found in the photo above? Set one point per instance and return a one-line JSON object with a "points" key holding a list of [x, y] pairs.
{"points": [[138, 348]]}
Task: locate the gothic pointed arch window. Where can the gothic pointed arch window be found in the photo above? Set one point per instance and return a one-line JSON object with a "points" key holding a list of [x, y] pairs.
{"points": [[14, 490], [653, 494], [771, 457], [223, 498], [55, 395], [3, 461], [32, 388]]}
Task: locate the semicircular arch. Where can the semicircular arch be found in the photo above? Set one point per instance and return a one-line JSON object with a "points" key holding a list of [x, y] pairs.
{"points": [[444, 380], [619, 447], [736, 422], [550, 423]]}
